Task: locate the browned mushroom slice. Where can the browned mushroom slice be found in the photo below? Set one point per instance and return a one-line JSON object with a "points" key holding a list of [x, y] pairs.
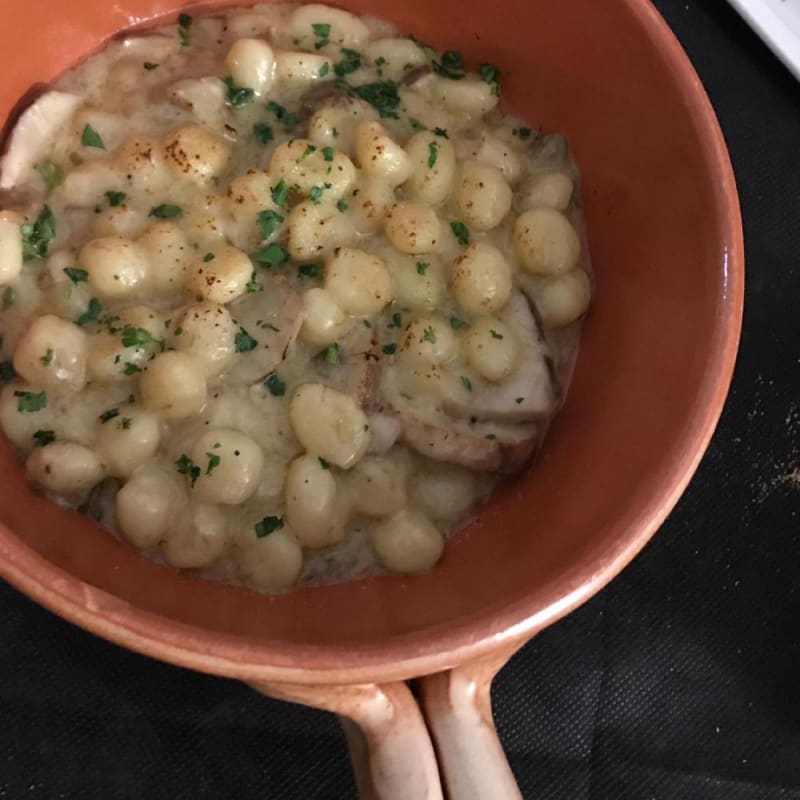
{"points": [[416, 74], [529, 393], [268, 321], [32, 133], [517, 443]]}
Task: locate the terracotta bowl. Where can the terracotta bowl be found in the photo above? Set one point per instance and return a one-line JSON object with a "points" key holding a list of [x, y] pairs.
{"points": [[654, 367]]}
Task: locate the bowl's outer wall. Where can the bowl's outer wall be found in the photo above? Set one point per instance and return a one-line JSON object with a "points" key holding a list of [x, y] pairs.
{"points": [[654, 366]]}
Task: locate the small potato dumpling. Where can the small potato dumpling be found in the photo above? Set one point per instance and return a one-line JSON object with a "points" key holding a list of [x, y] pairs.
{"points": [[549, 189], [252, 64], [168, 253], [125, 221], [359, 282], [546, 242], [314, 230], [197, 538], [271, 562], [141, 161], [207, 331], [230, 466], [65, 468], [562, 299], [444, 492], [205, 219], [412, 227], [128, 440], [419, 282], [395, 56], [491, 349], [222, 278], [379, 155], [52, 353], [329, 424], [250, 194], [429, 340], [495, 152], [118, 268], [407, 542], [84, 186], [313, 170], [174, 385], [482, 195], [299, 70], [148, 503], [433, 169], [481, 279], [313, 23], [109, 360], [324, 321], [197, 154], [311, 503], [335, 125], [10, 249], [369, 203], [471, 96], [19, 424], [378, 485]]}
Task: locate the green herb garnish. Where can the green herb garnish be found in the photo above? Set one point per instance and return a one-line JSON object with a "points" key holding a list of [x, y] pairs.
{"points": [[328, 153], [441, 132], [136, 337], [253, 286], [150, 66], [184, 24], [323, 463], [30, 402], [351, 61], [461, 232], [116, 198], [268, 222], [131, 369], [466, 383], [166, 211], [76, 275], [92, 313], [397, 320], [491, 75], [429, 335], [457, 324], [389, 349], [273, 255], [332, 354], [276, 386], [9, 297], [280, 193], [50, 172], [433, 152], [213, 462], [451, 66], [322, 30], [36, 236], [263, 133], [237, 96], [43, 437], [324, 70], [107, 416], [288, 119], [47, 358], [495, 334], [91, 138], [244, 342], [267, 526], [187, 467], [309, 270], [341, 205]]}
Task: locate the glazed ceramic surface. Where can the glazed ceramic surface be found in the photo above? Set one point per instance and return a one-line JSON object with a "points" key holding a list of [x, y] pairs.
{"points": [[654, 366]]}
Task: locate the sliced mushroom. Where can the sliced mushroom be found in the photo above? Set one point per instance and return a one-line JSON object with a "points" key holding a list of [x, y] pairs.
{"points": [[35, 128], [272, 318], [100, 503], [204, 97], [416, 74], [530, 392]]}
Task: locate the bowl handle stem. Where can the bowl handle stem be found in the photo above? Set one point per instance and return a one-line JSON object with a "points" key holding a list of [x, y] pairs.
{"points": [[391, 751]]}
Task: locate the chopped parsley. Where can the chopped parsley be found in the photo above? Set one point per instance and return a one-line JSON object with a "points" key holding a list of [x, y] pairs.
{"points": [[433, 154], [324, 69], [422, 267], [322, 30], [107, 416], [76, 275], [491, 75], [47, 358], [125, 423], [253, 286], [441, 132], [332, 354], [316, 195], [341, 205], [309, 270], [213, 462], [451, 66], [166, 211], [389, 349], [263, 133], [136, 337], [460, 231], [50, 173], [351, 61], [310, 148], [116, 198], [381, 95], [208, 257], [523, 133], [457, 324], [43, 437], [36, 236], [7, 372], [323, 463], [273, 255], [380, 61], [184, 24], [268, 222], [244, 342], [30, 402], [276, 386], [237, 96], [327, 153], [150, 66], [416, 124], [495, 334], [280, 193], [284, 116], [9, 297], [92, 313], [91, 138], [267, 526], [429, 335], [397, 320], [131, 369], [187, 467], [466, 383]]}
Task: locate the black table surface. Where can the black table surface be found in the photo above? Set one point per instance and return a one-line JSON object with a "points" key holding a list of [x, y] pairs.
{"points": [[680, 681]]}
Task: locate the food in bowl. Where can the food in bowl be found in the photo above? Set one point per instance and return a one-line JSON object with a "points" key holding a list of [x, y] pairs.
{"points": [[285, 294]]}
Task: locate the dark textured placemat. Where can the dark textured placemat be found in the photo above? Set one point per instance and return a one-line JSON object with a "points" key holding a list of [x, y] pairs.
{"points": [[681, 681]]}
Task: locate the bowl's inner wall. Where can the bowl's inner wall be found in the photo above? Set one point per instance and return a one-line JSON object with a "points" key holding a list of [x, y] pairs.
{"points": [[656, 226]]}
